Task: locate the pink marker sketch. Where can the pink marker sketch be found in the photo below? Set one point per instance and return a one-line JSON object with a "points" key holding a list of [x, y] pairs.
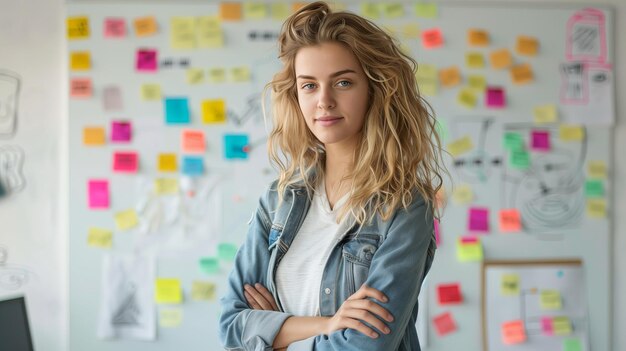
{"points": [[586, 36]]}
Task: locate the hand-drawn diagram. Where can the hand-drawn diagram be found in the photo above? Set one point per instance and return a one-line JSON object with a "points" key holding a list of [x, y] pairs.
{"points": [[478, 164], [12, 277], [9, 96], [11, 163], [252, 111]]}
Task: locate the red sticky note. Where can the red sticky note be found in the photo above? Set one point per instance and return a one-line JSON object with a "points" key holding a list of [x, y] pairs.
{"points": [[510, 220], [432, 38], [193, 141], [80, 88], [98, 191], [121, 131], [540, 140], [513, 332], [444, 324], [114, 28], [437, 232], [469, 239], [546, 326], [478, 220], [146, 60], [449, 294], [494, 97], [125, 161]]}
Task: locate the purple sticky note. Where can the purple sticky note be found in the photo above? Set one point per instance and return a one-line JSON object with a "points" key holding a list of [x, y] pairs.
{"points": [[114, 28], [112, 98], [121, 131], [494, 97], [125, 162], [478, 219], [98, 191], [147, 60], [540, 140]]}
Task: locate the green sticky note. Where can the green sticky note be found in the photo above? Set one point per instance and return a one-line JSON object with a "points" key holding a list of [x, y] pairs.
{"points": [[572, 345], [594, 188], [209, 265], [520, 159], [226, 251], [441, 126], [513, 141], [426, 10]]}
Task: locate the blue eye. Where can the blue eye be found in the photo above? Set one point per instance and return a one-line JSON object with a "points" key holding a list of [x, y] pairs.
{"points": [[344, 83], [308, 86]]}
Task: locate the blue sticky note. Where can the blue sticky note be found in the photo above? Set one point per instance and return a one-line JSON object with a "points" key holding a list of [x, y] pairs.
{"points": [[193, 165], [236, 146], [176, 110]]}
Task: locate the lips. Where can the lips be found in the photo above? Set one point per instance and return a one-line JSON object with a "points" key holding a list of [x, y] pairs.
{"points": [[327, 118]]}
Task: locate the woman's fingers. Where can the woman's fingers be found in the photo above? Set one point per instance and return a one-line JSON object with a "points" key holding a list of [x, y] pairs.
{"points": [[372, 307], [251, 301], [267, 295], [258, 297], [364, 315], [366, 291], [357, 325]]}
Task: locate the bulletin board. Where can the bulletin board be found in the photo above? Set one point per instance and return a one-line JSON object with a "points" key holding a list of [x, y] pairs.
{"points": [[167, 156]]}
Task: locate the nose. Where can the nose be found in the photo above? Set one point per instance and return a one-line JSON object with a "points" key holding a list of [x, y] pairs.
{"points": [[326, 99]]}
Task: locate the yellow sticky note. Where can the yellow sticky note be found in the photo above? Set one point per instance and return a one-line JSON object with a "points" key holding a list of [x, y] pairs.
{"points": [[561, 326], [476, 82], [203, 291], [280, 11], [217, 75], [596, 208], [545, 114], [550, 300], [145, 26], [150, 92], [411, 31], [522, 74], [100, 238], [426, 10], [477, 37], [127, 219], [210, 33], [240, 74], [183, 32], [170, 317], [460, 146], [501, 59], [569, 132], [195, 75], [80, 61], [254, 10], [596, 169], [166, 186], [214, 111], [392, 10], [510, 285], [462, 194], [93, 136], [78, 27], [527, 45], [469, 249], [474, 60], [168, 291], [168, 163], [467, 98], [230, 11], [450, 77], [427, 79], [370, 10]]}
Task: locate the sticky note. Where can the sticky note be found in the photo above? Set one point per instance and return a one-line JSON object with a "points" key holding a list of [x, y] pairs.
{"points": [[510, 220], [94, 136], [392, 10], [594, 188], [370, 10], [444, 324], [522, 74], [112, 98], [170, 317], [547, 327], [411, 31], [146, 60], [466, 98], [209, 265], [98, 237], [114, 27], [80, 61], [545, 114], [145, 26], [168, 291], [449, 294], [236, 146], [193, 166], [279, 10], [568, 132], [596, 208], [572, 345], [501, 59], [478, 219], [427, 79], [442, 129], [202, 291], [596, 169], [450, 77], [462, 194], [477, 37], [550, 300], [230, 11], [194, 75], [209, 32], [474, 60], [513, 332], [125, 162], [525, 45], [540, 140], [213, 111], [476, 82], [509, 284], [98, 191], [150, 92], [77, 27], [240, 74], [513, 141], [166, 186], [176, 110], [495, 98], [519, 159], [121, 131], [426, 10], [437, 229], [469, 249], [432, 38], [254, 10], [193, 141], [460, 146], [183, 32], [217, 75], [167, 163], [226, 251], [561, 326], [80, 88], [125, 220]]}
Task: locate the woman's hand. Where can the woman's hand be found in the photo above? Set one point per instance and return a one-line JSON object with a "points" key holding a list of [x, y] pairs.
{"points": [[358, 308], [259, 298]]}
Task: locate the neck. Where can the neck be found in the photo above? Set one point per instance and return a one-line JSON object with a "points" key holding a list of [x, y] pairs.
{"points": [[339, 161]]}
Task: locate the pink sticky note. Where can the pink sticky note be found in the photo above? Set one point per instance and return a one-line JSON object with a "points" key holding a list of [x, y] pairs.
{"points": [[494, 97], [513, 332], [546, 326], [437, 232], [540, 140], [193, 141], [432, 38], [510, 220], [80, 88], [98, 191], [469, 239], [146, 60], [444, 324], [114, 27], [478, 220], [125, 161], [121, 131], [449, 294]]}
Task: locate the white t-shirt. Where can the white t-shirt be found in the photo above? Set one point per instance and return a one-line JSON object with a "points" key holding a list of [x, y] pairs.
{"points": [[299, 274]]}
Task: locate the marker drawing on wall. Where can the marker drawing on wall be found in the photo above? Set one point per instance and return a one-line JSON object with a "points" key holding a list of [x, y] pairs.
{"points": [[11, 163], [9, 97], [478, 164], [12, 277]]}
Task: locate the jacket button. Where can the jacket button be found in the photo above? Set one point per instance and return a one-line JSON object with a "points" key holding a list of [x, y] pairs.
{"points": [[327, 291]]}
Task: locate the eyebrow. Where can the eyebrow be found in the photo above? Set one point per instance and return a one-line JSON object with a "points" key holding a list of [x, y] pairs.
{"points": [[338, 73]]}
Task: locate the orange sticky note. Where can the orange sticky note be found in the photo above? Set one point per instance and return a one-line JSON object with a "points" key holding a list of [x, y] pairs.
{"points": [[501, 59], [193, 141], [80, 61], [145, 26], [432, 38], [510, 220], [522, 74], [230, 11], [513, 332], [93, 136], [477, 37], [80, 88], [527, 45], [450, 77]]}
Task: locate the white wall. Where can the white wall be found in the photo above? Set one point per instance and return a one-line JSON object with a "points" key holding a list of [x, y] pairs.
{"points": [[33, 223]]}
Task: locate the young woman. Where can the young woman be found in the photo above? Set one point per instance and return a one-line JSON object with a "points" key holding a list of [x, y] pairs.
{"points": [[340, 243]]}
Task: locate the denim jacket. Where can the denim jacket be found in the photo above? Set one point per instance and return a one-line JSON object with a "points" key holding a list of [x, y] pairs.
{"points": [[392, 256]]}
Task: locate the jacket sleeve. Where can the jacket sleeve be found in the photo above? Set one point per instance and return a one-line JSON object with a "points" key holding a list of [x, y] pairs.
{"points": [[242, 328], [398, 269]]}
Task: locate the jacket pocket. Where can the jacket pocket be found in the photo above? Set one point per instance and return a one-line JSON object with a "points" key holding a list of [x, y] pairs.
{"points": [[358, 251]]}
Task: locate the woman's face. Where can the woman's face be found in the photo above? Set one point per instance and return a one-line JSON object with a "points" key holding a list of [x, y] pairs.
{"points": [[332, 92]]}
